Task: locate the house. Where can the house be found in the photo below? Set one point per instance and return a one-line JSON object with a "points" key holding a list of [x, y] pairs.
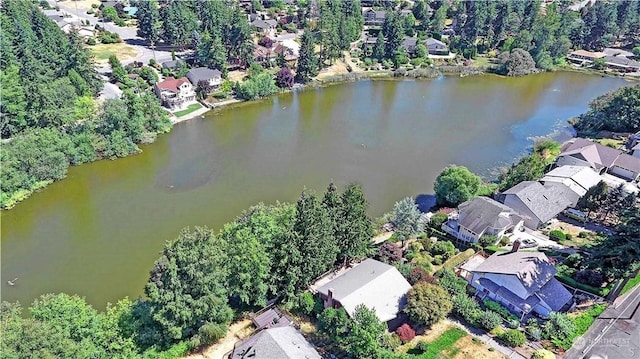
{"points": [[378, 286], [583, 152], [270, 318], [263, 55], [289, 54], [436, 47], [577, 179], [374, 17], [265, 27], [536, 203], [636, 150], [275, 343], [175, 93], [55, 15], [523, 282], [582, 57], [409, 44], [173, 64], [611, 51], [213, 77], [622, 63], [480, 216]]}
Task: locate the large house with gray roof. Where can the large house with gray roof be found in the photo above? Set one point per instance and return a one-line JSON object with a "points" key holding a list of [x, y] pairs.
{"points": [[376, 285], [576, 179], [275, 343], [523, 282], [480, 216], [213, 77], [583, 152], [536, 203]]}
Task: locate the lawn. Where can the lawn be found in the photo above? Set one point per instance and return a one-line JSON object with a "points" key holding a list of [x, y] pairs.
{"points": [[123, 52], [610, 142], [632, 282], [445, 342], [188, 110]]}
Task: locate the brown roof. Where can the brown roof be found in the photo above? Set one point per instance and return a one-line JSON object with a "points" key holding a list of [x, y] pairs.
{"points": [[594, 153], [595, 55], [172, 84]]}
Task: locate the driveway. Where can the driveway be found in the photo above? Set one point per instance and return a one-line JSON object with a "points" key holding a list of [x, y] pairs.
{"points": [[540, 239], [615, 334]]}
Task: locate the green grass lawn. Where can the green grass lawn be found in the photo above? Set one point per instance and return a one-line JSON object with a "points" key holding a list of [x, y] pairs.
{"points": [[631, 283], [443, 346], [188, 110]]}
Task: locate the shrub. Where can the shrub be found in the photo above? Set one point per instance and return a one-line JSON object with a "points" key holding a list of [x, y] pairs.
{"points": [[489, 320], [560, 329], [467, 308], [583, 234], [391, 341], [389, 252], [306, 302], [513, 322], [543, 354], [557, 235], [503, 241], [446, 249], [422, 346], [418, 274], [513, 338], [573, 260], [405, 333], [497, 332], [451, 282], [534, 333], [488, 240], [590, 277], [428, 303], [91, 41], [437, 220], [211, 333]]}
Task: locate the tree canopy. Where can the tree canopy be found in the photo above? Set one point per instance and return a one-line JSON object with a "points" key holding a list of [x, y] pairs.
{"points": [[456, 184], [428, 303], [617, 111]]}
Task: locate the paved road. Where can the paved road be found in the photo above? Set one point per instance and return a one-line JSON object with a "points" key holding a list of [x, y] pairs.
{"points": [[127, 34], [615, 334]]}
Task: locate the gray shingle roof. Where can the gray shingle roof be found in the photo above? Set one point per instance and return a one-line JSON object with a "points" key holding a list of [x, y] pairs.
{"points": [[554, 294], [276, 343], [578, 178], [377, 285], [531, 268], [481, 213], [544, 202], [198, 74]]}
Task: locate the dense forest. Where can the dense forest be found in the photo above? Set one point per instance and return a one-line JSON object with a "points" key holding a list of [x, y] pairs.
{"points": [[50, 116], [201, 282]]}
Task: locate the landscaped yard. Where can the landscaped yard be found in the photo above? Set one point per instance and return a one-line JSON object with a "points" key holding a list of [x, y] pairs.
{"points": [[631, 283], [446, 340], [193, 107], [123, 52]]}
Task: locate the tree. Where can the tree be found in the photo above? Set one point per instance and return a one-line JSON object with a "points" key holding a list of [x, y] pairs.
{"points": [[186, 288], [364, 340], [456, 184], [203, 88], [389, 253], [379, 51], [314, 237], [178, 23], [307, 60], [616, 111], [354, 228], [489, 320], [428, 303], [149, 23], [594, 198], [406, 219], [248, 264], [559, 327], [513, 338], [487, 240], [517, 63], [212, 53], [393, 32], [284, 78], [335, 325]]}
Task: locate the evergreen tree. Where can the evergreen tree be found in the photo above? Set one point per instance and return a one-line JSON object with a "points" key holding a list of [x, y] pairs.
{"points": [[379, 51], [393, 33], [354, 227], [307, 61], [148, 16], [178, 23], [212, 53], [314, 237]]}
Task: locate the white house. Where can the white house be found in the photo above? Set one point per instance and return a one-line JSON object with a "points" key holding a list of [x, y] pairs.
{"points": [[175, 93], [376, 285], [480, 216], [523, 282]]}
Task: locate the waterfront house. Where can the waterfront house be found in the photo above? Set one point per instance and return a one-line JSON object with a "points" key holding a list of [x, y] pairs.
{"points": [[583, 57], [537, 204], [376, 285], [275, 343], [480, 216], [289, 53], [523, 282], [577, 179], [409, 44], [212, 76], [583, 152], [175, 93], [622, 63], [436, 47], [172, 64]]}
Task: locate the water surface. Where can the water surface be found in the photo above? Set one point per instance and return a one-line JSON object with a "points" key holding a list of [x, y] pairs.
{"points": [[98, 232]]}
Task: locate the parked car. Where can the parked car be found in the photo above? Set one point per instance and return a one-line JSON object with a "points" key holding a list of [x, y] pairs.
{"points": [[575, 214]]}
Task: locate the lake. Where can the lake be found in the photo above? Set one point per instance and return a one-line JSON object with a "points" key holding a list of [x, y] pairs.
{"points": [[98, 232]]}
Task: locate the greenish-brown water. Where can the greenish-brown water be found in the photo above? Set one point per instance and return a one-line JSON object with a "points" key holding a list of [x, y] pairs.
{"points": [[98, 232]]}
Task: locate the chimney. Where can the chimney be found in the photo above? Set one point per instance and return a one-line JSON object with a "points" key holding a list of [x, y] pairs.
{"points": [[515, 246], [329, 297]]}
